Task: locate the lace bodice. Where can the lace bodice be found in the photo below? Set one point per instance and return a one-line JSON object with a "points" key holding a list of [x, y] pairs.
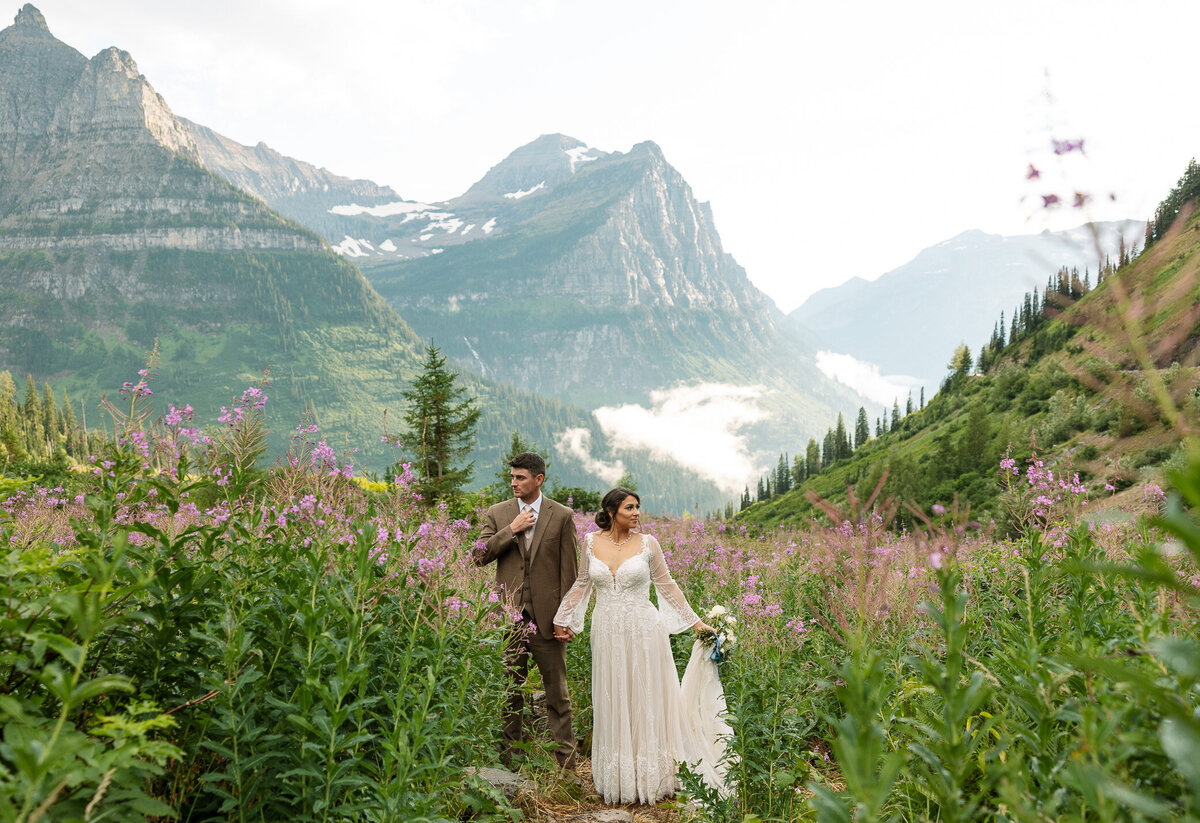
{"points": [[627, 587]]}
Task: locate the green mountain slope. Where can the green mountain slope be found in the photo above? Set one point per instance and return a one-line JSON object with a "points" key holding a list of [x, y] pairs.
{"points": [[114, 235], [1101, 384]]}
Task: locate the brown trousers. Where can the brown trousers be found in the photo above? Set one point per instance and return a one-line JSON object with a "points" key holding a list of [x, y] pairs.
{"points": [[551, 659]]}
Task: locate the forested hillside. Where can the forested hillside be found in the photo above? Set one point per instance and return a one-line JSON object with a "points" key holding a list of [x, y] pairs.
{"points": [[1085, 376]]}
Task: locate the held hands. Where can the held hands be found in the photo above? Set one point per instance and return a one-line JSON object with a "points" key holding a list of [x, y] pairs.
{"points": [[523, 521], [564, 634]]}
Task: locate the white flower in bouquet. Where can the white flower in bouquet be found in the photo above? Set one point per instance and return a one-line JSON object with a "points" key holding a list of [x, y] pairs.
{"points": [[722, 639]]}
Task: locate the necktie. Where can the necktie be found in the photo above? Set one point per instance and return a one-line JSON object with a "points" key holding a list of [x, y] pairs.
{"points": [[528, 533]]}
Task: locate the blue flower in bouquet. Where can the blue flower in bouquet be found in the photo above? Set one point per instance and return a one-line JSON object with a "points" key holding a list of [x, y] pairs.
{"points": [[723, 640]]}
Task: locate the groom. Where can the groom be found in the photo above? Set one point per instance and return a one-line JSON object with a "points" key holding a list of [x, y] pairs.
{"points": [[532, 539]]}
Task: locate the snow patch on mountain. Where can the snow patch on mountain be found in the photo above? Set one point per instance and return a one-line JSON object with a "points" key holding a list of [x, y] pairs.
{"points": [[489, 226], [579, 155], [349, 247], [387, 245], [384, 210], [517, 195]]}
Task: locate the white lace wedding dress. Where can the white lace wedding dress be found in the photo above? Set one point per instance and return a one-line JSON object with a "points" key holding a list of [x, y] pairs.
{"points": [[644, 723]]}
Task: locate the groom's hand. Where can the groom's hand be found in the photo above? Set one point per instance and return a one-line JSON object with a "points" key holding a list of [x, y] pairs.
{"points": [[564, 634], [522, 522]]}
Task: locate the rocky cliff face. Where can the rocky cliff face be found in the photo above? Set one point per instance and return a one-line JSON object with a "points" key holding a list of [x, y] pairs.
{"points": [[291, 187], [603, 288]]}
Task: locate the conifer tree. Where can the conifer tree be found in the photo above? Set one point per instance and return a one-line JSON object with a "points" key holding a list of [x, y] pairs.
{"points": [[879, 427], [783, 476], [440, 427], [828, 450], [895, 413], [862, 428], [812, 458], [8, 397], [908, 406], [762, 491], [841, 440], [922, 398], [51, 416], [799, 471], [32, 418], [746, 498], [70, 426], [1000, 332]]}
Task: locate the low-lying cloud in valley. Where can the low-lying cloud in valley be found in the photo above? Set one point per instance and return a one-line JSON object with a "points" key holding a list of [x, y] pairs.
{"points": [[696, 427], [865, 378], [577, 443]]}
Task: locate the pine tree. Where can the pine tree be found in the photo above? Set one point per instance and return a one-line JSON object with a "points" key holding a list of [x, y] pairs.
{"points": [[922, 398], [841, 440], [862, 428], [8, 397], [895, 413], [828, 450], [799, 471], [31, 423], [960, 364], [440, 427], [908, 406], [70, 426], [745, 498], [812, 458], [762, 491], [783, 476], [51, 416]]}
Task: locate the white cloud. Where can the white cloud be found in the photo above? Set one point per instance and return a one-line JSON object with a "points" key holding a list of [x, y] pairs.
{"points": [[695, 427], [865, 378], [578, 444]]}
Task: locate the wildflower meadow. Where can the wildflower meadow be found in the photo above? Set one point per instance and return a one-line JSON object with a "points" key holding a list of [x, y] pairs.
{"points": [[188, 635]]}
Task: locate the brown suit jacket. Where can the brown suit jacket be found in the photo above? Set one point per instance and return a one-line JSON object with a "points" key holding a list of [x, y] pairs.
{"points": [[553, 557]]}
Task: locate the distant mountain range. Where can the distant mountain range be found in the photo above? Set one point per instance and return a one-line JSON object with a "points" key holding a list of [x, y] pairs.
{"points": [[909, 320], [114, 233], [594, 277], [121, 224]]}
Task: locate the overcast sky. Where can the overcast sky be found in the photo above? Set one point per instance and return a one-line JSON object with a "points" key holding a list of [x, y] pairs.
{"points": [[833, 139]]}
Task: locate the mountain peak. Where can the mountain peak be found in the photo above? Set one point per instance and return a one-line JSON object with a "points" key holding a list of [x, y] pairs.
{"points": [[534, 167], [31, 21]]}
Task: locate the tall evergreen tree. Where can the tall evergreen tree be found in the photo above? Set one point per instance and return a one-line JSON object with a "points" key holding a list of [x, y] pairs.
{"points": [[862, 429], [762, 491], [828, 450], [922, 398], [895, 413], [908, 406], [440, 427], [31, 412], [51, 416], [841, 440], [799, 470], [8, 397], [745, 498], [812, 458], [783, 476]]}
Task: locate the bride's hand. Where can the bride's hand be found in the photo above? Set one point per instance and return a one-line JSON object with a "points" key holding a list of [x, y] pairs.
{"points": [[703, 628], [563, 633]]}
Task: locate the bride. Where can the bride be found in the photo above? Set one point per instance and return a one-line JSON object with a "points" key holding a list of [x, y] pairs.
{"points": [[642, 728]]}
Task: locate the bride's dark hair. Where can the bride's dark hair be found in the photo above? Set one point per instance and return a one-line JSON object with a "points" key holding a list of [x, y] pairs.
{"points": [[611, 502]]}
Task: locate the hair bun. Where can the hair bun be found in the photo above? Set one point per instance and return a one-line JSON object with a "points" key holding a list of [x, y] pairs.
{"points": [[603, 519]]}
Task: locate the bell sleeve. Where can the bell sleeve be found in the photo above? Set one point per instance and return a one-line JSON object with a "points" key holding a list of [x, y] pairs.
{"points": [[673, 609], [572, 612]]}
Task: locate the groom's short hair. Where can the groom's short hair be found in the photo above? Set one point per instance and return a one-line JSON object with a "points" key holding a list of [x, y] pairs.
{"points": [[531, 462]]}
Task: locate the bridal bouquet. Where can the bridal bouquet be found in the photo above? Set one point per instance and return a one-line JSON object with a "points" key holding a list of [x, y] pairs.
{"points": [[724, 639]]}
